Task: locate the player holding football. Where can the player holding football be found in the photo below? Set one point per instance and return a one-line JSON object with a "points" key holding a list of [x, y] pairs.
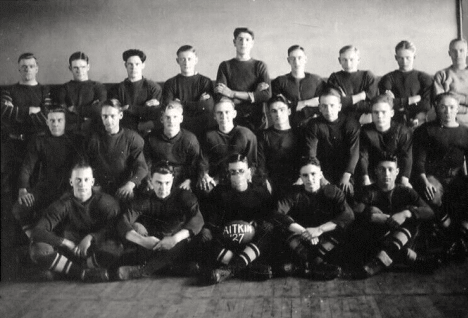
{"points": [[238, 201]]}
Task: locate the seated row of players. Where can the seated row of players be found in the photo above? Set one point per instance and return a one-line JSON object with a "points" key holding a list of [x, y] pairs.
{"points": [[117, 155]]}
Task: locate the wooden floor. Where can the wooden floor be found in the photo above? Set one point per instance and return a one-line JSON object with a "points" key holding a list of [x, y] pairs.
{"points": [[392, 294]]}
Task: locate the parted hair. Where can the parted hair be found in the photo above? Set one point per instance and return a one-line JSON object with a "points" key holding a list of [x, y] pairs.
{"points": [[27, 56], [240, 30], [134, 52], [294, 48], [78, 56]]}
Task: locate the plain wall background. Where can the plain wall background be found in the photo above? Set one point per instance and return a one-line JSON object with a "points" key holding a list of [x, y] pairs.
{"points": [[53, 29]]}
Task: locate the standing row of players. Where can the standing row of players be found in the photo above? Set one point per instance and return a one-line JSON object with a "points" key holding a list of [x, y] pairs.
{"points": [[116, 153]]}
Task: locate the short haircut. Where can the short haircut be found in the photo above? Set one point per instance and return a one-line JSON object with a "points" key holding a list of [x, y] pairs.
{"points": [[441, 96], [305, 161], [349, 48], [405, 45], [78, 56], [174, 105], [56, 108], [162, 167], [238, 31], [237, 157], [385, 156], [279, 98], [113, 102], [186, 48], [463, 40], [26, 56], [81, 164], [294, 48], [134, 52], [384, 98], [330, 90], [224, 100]]}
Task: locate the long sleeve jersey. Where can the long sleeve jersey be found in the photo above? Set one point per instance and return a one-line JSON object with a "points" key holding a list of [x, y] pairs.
{"points": [[117, 158], [135, 95], [439, 150], [182, 152], [69, 218], [54, 156], [397, 141], [296, 90], [244, 76], [15, 103], [390, 202], [404, 85], [335, 144], [226, 204], [164, 217], [218, 146], [308, 209], [278, 155], [189, 89], [354, 83], [85, 96]]}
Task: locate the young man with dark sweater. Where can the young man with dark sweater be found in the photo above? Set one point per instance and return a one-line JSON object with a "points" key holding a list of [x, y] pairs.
{"points": [[357, 87], [117, 154], [245, 81], [299, 87], [440, 150], [410, 88], [53, 153], [193, 90], [333, 138], [221, 142], [139, 96], [23, 112], [82, 96], [75, 236], [455, 78], [160, 226], [175, 145], [278, 148], [385, 136]]}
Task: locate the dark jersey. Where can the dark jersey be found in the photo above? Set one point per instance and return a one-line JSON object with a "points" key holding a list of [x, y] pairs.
{"points": [[163, 217]]}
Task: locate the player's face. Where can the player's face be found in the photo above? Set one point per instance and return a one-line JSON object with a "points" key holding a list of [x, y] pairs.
{"points": [[387, 172], [111, 117], [171, 119], [330, 107], [239, 173], [279, 112], [79, 69], [162, 184], [458, 52], [405, 60], [447, 110], [225, 114], [382, 115], [187, 61], [82, 181], [243, 43], [134, 67], [311, 176], [28, 69], [349, 61], [56, 123], [297, 59]]}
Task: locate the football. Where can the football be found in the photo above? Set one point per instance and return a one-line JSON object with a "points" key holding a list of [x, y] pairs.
{"points": [[238, 233]]}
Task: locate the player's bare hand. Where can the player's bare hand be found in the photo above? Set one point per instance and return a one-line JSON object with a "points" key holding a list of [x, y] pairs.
{"points": [[34, 110], [204, 96], [224, 90], [82, 248], [389, 93], [262, 86], [186, 185], [206, 183], [149, 242], [165, 244], [126, 192], [401, 217], [152, 102], [25, 198], [346, 185], [429, 191], [72, 109], [414, 99], [125, 107]]}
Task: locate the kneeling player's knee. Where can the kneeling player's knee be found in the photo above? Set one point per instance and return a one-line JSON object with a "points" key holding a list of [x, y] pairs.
{"points": [[39, 251]]}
